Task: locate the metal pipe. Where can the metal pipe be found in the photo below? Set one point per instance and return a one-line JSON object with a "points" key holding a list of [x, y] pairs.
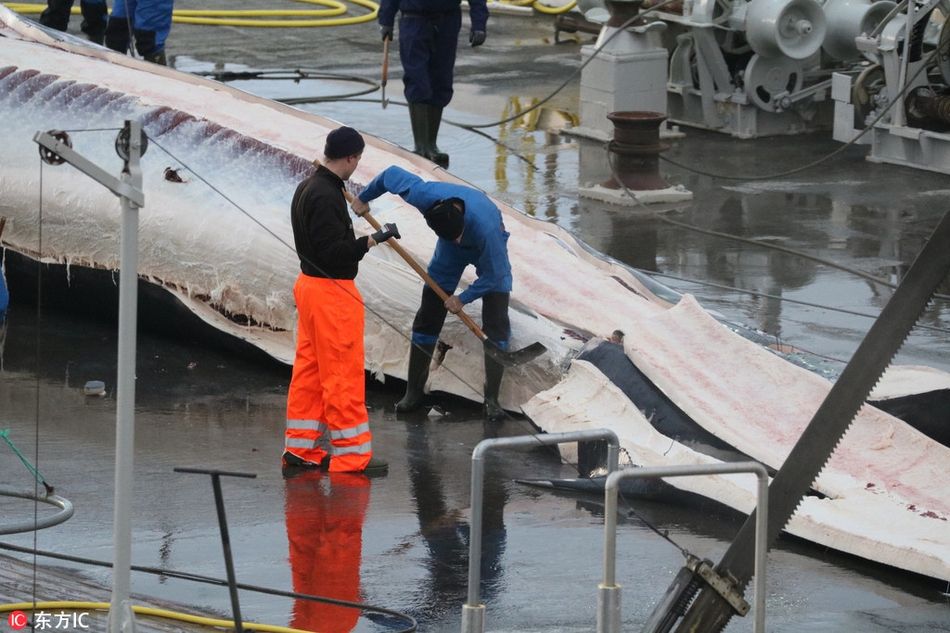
{"points": [[121, 617], [608, 621], [129, 189], [473, 613], [225, 537], [31, 525]]}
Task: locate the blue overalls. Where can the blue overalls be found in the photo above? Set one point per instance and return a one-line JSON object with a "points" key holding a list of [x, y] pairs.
{"points": [[150, 20], [428, 38]]}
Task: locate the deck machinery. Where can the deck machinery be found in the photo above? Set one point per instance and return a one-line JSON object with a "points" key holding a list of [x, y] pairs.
{"points": [[901, 96], [763, 67], [872, 72]]}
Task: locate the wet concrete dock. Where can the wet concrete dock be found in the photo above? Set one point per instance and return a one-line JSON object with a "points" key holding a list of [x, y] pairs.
{"points": [[400, 542], [23, 582]]}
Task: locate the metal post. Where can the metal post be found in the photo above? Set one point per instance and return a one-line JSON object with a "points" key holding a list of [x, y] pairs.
{"points": [[608, 616], [121, 617], [473, 613], [225, 537], [129, 189]]}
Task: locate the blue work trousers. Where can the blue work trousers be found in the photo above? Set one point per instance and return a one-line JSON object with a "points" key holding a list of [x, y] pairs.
{"points": [[430, 317], [427, 45], [149, 20]]}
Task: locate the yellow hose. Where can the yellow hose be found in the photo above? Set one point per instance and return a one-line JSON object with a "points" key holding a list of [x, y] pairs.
{"points": [[159, 613], [537, 6], [247, 18], [554, 10]]}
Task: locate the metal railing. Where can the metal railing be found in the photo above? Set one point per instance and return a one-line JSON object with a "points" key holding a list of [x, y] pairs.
{"points": [[473, 613], [608, 601]]}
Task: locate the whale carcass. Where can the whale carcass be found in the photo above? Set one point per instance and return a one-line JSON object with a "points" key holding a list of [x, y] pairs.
{"points": [[218, 240], [881, 496], [218, 237]]}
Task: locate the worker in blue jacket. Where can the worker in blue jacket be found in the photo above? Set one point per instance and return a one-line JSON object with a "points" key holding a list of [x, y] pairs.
{"points": [[428, 38], [147, 22], [471, 231]]}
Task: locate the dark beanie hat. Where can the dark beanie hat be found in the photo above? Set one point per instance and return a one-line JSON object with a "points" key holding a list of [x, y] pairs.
{"points": [[343, 142], [446, 219]]}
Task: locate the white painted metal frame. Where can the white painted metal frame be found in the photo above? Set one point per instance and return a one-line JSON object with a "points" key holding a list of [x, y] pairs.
{"points": [[608, 611], [129, 190], [473, 613]]}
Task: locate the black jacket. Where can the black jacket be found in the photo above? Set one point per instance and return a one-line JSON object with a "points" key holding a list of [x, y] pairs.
{"points": [[323, 230]]}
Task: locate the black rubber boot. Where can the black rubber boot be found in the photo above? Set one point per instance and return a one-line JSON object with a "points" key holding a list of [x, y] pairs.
{"points": [[419, 358], [493, 374], [419, 119], [440, 158], [56, 14], [94, 18], [118, 34], [157, 58]]}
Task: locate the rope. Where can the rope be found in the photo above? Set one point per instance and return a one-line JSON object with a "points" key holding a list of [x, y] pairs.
{"points": [[30, 467]]}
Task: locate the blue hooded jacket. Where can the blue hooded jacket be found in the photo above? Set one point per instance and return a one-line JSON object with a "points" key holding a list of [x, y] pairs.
{"points": [[484, 241]]}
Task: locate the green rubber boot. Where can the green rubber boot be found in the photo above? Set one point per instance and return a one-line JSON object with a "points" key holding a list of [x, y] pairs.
{"points": [[418, 117], [493, 374], [419, 359], [434, 116]]}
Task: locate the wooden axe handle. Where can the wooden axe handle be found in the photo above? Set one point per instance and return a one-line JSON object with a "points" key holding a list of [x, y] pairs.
{"points": [[467, 320]]}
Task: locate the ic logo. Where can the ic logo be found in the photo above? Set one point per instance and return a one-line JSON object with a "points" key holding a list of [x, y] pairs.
{"points": [[18, 620]]}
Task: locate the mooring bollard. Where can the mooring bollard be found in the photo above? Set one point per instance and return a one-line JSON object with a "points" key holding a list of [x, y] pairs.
{"points": [[635, 151]]}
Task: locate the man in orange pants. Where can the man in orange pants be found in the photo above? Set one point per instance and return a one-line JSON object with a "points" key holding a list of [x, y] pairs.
{"points": [[327, 388]]}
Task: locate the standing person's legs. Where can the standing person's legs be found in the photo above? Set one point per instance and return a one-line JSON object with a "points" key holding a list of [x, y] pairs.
{"points": [[441, 62], [119, 26], [305, 413], [497, 328], [441, 78], [416, 46], [94, 17], [339, 318], [56, 14], [151, 25]]}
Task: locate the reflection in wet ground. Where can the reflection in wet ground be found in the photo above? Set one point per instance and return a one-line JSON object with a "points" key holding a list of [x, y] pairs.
{"points": [[398, 542]]}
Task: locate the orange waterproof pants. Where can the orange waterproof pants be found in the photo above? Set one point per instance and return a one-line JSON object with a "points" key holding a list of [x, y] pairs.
{"points": [[328, 388]]}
